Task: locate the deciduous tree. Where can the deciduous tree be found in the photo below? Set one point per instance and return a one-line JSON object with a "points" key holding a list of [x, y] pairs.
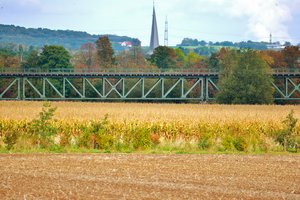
{"points": [[180, 61], [86, 57], [245, 80], [291, 55], [193, 60], [54, 57], [8, 58], [32, 60], [274, 58], [105, 52], [163, 57]]}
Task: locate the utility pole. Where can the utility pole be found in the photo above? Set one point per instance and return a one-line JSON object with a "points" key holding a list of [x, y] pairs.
{"points": [[166, 32]]}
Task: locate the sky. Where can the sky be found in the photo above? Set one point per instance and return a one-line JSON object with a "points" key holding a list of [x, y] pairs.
{"points": [[209, 20]]}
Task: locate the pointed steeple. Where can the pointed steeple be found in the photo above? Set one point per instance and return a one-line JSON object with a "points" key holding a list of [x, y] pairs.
{"points": [[154, 33]]}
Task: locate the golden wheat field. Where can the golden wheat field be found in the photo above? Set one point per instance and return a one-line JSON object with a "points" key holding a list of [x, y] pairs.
{"points": [[27, 110], [142, 126]]}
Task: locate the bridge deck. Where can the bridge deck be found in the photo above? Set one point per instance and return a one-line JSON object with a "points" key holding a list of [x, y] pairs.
{"points": [[119, 72], [106, 73]]}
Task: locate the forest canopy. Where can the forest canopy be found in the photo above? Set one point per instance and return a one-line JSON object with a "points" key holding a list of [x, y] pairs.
{"points": [[39, 37]]}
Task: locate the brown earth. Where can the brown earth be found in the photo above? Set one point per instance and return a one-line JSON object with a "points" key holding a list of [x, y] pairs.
{"points": [[135, 176]]}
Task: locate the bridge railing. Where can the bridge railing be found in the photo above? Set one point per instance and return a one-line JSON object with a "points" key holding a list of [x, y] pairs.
{"points": [[7, 70], [106, 71], [286, 71]]}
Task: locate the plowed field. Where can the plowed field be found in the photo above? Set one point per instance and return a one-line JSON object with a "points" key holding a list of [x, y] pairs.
{"points": [[135, 176]]}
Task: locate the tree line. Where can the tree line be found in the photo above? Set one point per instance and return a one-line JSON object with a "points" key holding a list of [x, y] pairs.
{"points": [[244, 76], [244, 44]]}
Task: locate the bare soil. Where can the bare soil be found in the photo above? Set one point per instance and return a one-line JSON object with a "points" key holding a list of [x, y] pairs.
{"points": [[137, 176]]}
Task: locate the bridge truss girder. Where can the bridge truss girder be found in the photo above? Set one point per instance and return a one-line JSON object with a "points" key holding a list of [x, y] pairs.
{"points": [[287, 88], [136, 88], [106, 88]]}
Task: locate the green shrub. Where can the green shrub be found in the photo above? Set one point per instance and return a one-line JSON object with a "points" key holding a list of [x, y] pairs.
{"points": [[84, 137], [10, 139], [227, 142], [204, 142], [96, 136], [141, 139], [288, 135], [239, 143], [41, 129]]}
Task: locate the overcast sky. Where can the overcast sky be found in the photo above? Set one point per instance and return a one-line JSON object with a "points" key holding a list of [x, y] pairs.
{"points": [[210, 20]]}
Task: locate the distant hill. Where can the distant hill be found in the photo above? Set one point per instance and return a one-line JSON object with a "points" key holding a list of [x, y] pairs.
{"points": [[207, 48], [41, 36], [244, 44]]}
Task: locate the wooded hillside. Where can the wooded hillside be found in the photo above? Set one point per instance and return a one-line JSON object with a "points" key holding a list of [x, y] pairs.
{"points": [[41, 36]]}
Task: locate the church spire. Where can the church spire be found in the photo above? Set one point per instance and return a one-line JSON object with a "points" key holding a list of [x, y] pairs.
{"points": [[154, 33]]}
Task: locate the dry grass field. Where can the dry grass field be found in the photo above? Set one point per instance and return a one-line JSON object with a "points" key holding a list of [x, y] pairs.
{"points": [[137, 126], [135, 176], [20, 110]]}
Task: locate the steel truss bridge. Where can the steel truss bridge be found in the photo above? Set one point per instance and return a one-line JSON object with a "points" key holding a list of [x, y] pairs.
{"points": [[129, 84]]}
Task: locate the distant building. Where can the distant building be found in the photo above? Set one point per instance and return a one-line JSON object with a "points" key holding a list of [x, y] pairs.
{"points": [[126, 44], [154, 34], [275, 46]]}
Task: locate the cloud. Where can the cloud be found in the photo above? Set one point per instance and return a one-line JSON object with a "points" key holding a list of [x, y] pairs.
{"points": [[261, 17], [214, 20]]}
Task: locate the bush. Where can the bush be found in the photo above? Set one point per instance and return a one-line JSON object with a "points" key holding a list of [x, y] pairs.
{"points": [[288, 136], [141, 138], [41, 129], [227, 142], [204, 142], [137, 136], [239, 143], [95, 135], [10, 139]]}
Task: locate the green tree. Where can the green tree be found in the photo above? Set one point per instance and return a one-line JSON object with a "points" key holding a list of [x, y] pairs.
{"points": [[193, 60], [244, 79], [180, 61], [189, 42], [32, 60], [54, 57], [105, 52], [163, 57], [213, 61]]}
